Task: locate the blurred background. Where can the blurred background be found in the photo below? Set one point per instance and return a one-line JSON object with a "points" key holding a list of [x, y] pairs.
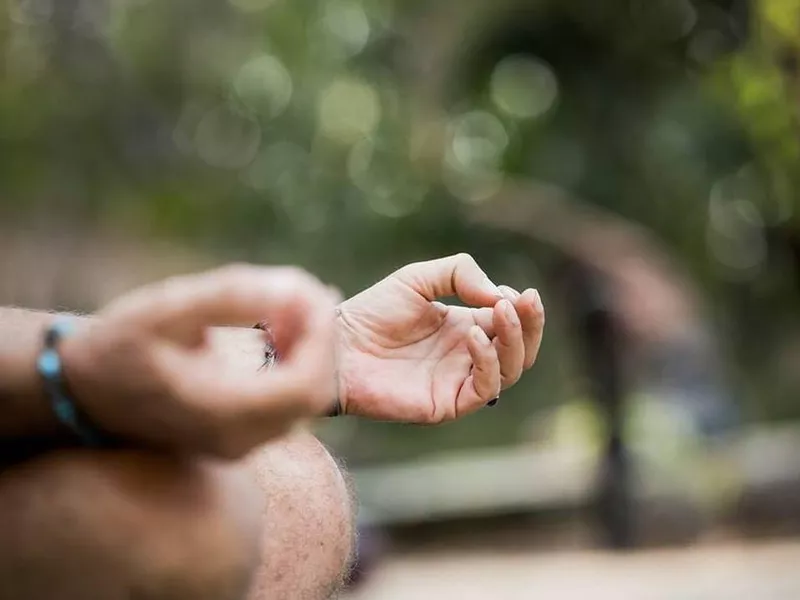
{"points": [[636, 160]]}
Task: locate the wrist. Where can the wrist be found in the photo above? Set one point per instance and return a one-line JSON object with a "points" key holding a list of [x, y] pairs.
{"points": [[76, 366], [50, 367], [26, 410], [340, 356]]}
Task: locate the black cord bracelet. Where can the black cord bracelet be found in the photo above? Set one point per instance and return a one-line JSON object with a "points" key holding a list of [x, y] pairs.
{"points": [[50, 368]]}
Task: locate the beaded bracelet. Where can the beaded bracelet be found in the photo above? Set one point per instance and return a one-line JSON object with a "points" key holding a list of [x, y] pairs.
{"points": [[50, 368]]}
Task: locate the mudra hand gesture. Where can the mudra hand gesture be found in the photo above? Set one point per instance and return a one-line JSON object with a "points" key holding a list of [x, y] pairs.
{"points": [[404, 356]]}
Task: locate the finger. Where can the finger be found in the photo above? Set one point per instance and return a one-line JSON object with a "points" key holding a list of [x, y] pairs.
{"points": [[484, 318], [292, 386], [509, 344], [509, 293], [304, 379], [233, 416], [531, 314], [233, 295], [483, 383], [312, 361], [249, 410], [336, 293], [457, 275]]}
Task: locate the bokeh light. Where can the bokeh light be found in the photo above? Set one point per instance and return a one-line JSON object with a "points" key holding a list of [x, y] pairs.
{"points": [[373, 169], [666, 20], [347, 21], [735, 234], [473, 159], [524, 86], [226, 138], [276, 166], [349, 109], [264, 85]]}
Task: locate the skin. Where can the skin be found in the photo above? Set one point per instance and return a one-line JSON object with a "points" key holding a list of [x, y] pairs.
{"points": [[82, 524], [407, 357], [153, 349], [112, 525], [220, 498], [402, 355]]}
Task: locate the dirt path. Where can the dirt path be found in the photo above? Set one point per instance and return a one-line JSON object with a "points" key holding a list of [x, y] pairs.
{"points": [[729, 572]]}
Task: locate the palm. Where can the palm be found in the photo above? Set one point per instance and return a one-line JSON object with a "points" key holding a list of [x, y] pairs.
{"points": [[407, 358]]}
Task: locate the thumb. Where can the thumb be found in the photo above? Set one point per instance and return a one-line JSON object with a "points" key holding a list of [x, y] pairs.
{"points": [[456, 275]]}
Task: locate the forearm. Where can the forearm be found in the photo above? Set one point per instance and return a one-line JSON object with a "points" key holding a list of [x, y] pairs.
{"points": [[24, 409]]}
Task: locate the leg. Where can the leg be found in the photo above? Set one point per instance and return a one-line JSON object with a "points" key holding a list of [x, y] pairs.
{"points": [[308, 527], [85, 525]]}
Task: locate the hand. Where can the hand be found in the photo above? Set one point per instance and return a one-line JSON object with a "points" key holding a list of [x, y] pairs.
{"points": [[405, 357], [149, 367]]}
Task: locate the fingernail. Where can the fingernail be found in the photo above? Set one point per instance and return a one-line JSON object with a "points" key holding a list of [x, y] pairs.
{"points": [[509, 292], [537, 300], [511, 313], [493, 401], [491, 288], [481, 337]]}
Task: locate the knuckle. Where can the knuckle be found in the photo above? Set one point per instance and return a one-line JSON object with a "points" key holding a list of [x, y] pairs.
{"points": [[234, 273], [508, 337], [465, 260], [438, 415], [439, 419], [301, 283], [298, 276], [408, 273]]}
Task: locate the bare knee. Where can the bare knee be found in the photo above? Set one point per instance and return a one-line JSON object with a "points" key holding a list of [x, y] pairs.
{"points": [[308, 521], [80, 524]]}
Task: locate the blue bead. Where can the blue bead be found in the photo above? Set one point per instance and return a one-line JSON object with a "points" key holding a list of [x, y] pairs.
{"points": [[49, 364], [65, 412]]}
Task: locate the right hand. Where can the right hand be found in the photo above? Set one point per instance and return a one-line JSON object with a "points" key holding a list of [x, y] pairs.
{"points": [[146, 369]]}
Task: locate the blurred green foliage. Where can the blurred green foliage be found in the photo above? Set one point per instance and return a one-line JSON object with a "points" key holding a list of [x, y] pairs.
{"points": [[352, 136]]}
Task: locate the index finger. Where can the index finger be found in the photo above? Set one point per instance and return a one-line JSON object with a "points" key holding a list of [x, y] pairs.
{"points": [[251, 408], [456, 275], [531, 313], [232, 295]]}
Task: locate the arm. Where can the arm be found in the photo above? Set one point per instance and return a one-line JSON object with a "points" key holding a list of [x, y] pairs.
{"points": [[24, 410], [154, 368]]}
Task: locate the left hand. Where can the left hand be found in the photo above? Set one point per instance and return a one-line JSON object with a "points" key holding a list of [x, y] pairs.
{"points": [[405, 357], [154, 349]]}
